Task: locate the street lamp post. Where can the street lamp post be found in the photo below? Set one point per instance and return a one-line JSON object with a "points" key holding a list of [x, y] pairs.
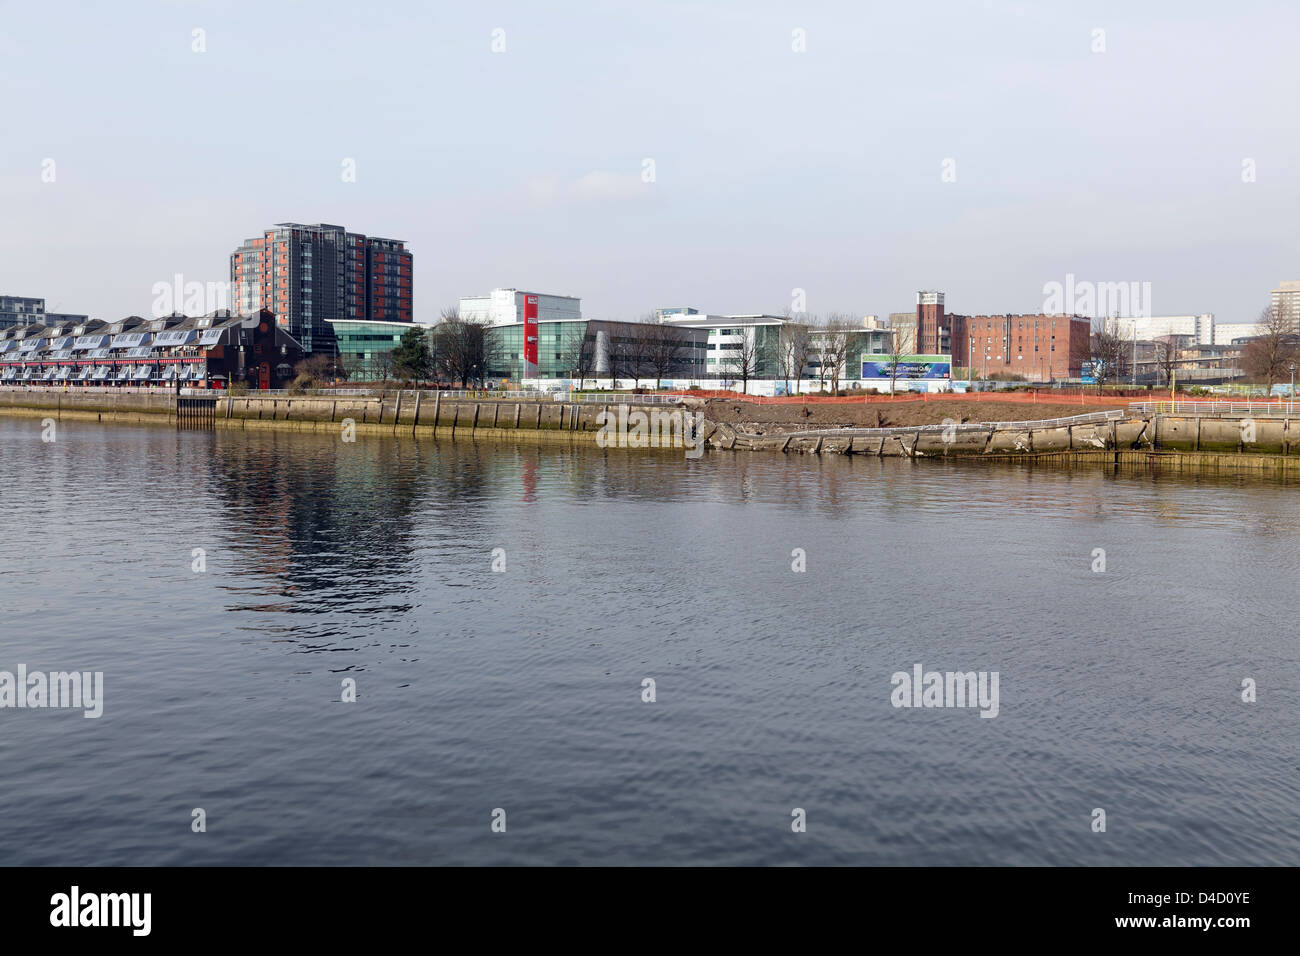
{"points": [[1291, 397], [1135, 355]]}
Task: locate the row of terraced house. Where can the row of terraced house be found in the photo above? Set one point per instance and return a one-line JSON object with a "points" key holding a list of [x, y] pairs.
{"points": [[209, 351]]}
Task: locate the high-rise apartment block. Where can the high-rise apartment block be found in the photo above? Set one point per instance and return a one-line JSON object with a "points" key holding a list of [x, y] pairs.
{"points": [[309, 274], [1286, 302]]}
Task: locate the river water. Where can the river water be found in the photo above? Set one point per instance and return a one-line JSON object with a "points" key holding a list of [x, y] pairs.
{"points": [[227, 584]]}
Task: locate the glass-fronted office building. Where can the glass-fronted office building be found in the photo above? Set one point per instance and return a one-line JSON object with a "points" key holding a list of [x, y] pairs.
{"points": [[584, 349], [566, 348], [595, 348], [364, 346]]}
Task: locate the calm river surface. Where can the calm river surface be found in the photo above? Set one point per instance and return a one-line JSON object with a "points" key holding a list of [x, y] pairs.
{"points": [[522, 690]]}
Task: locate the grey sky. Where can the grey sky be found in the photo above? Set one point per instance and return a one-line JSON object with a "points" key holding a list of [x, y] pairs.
{"points": [[774, 170]]}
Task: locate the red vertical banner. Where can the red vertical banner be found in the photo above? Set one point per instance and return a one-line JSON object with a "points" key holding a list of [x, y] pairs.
{"points": [[530, 336]]}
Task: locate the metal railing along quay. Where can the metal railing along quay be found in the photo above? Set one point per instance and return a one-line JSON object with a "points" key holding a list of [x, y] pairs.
{"points": [[473, 395], [572, 398], [450, 394], [305, 393], [1091, 418], [596, 398], [1209, 407], [96, 389], [482, 394]]}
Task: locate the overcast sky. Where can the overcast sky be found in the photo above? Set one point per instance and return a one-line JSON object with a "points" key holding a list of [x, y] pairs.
{"points": [[773, 170]]}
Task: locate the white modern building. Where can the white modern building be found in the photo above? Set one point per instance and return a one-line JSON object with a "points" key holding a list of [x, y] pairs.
{"points": [[728, 335], [761, 334], [1226, 332], [507, 306], [1150, 327]]}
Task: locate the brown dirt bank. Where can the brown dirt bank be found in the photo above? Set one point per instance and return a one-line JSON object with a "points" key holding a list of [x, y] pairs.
{"points": [[792, 417]]}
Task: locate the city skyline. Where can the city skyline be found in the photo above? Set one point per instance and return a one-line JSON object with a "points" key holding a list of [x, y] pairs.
{"points": [[838, 169]]}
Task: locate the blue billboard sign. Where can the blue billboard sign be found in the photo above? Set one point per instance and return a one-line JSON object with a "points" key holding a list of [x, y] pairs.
{"points": [[910, 367]]}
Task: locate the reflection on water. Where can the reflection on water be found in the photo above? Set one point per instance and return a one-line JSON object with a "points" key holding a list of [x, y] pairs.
{"points": [[522, 689]]}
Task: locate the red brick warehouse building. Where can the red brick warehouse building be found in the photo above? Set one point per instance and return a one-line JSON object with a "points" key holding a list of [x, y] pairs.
{"points": [[1040, 348]]}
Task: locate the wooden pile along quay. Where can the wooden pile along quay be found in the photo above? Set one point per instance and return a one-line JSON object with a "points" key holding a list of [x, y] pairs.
{"points": [[195, 412]]}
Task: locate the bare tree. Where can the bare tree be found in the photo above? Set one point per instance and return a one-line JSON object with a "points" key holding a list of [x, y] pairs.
{"points": [[666, 347], [579, 353], [314, 371], [793, 350], [819, 352], [380, 367], [612, 353], [324, 366], [897, 349], [1269, 354], [636, 355], [834, 347], [354, 368], [742, 358], [624, 356], [376, 368], [463, 351], [1110, 353], [906, 335], [819, 347], [1166, 358]]}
